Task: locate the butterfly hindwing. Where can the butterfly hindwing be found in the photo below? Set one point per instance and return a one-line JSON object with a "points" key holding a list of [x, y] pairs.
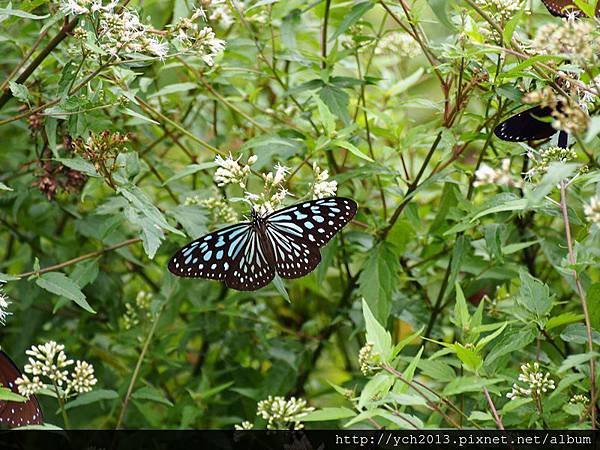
{"points": [[525, 126], [562, 8], [296, 233], [247, 256], [254, 266], [212, 255], [16, 414]]}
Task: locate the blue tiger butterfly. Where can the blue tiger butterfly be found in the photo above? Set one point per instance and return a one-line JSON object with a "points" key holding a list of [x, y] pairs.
{"points": [[246, 256]]}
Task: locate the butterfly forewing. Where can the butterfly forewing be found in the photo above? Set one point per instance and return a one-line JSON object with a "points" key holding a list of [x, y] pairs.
{"points": [[248, 255], [296, 233], [526, 126], [562, 8], [16, 414], [212, 255]]}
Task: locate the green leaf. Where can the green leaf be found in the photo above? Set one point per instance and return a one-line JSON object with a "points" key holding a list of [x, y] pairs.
{"points": [[469, 384], [556, 173], [402, 385], [357, 11], [21, 14], [190, 170], [79, 164], [19, 91], [85, 272], [376, 387], [326, 118], [593, 129], [513, 340], [8, 395], [511, 25], [534, 295], [470, 357], [325, 414], [280, 286], [575, 361], [510, 205], [59, 284], [563, 319], [490, 337], [174, 88], [377, 334], [377, 280], [337, 101], [439, 8], [152, 394], [593, 304], [577, 333], [92, 397], [351, 148], [461, 317]]}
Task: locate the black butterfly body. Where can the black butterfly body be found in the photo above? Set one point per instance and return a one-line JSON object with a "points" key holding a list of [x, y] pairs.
{"points": [[562, 8], [16, 414], [527, 126], [246, 256]]}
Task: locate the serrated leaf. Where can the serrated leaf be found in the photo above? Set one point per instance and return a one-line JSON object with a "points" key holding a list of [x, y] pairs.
{"points": [[469, 384], [534, 295], [355, 13], [352, 149], [377, 280], [376, 333], [79, 164], [59, 284], [337, 101]]}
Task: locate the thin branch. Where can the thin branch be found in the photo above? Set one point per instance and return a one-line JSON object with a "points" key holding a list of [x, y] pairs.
{"points": [[493, 408], [581, 292], [80, 258]]}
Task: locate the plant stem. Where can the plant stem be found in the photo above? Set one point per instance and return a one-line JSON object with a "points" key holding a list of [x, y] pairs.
{"points": [[581, 292], [62, 34], [79, 258], [138, 365], [493, 408], [61, 403], [324, 35]]}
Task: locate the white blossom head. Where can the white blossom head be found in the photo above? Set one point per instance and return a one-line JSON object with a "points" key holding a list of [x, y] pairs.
{"points": [[4, 304]]}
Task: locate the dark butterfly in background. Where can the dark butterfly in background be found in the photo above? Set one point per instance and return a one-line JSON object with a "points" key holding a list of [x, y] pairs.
{"points": [[562, 8], [16, 414], [249, 254], [527, 126]]}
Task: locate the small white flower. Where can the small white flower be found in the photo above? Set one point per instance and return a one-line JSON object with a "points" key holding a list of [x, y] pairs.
{"points": [[245, 425], [48, 360], [82, 379], [321, 187], [157, 48], [230, 171], [4, 304], [488, 175], [538, 383], [592, 210], [281, 413], [29, 387], [74, 7]]}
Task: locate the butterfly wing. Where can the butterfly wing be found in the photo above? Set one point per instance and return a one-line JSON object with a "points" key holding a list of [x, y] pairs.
{"points": [[296, 233], [253, 266], [16, 414], [526, 126], [562, 8], [213, 255]]}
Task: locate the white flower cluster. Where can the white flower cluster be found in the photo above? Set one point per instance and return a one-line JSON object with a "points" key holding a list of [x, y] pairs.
{"points": [[230, 171], [219, 12], [321, 187], [592, 210], [132, 315], [273, 192], [398, 43], [545, 157], [120, 32], [577, 39], [50, 361], [281, 414], [245, 425], [220, 210], [368, 359], [4, 304], [488, 175], [538, 383], [501, 10]]}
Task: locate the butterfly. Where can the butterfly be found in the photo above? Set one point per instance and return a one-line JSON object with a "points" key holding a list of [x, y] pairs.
{"points": [[16, 414], [527, 126], [246, 256], [562, 8]]}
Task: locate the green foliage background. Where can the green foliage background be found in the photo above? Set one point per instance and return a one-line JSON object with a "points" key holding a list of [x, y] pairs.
{"points": [[299, 82]]}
